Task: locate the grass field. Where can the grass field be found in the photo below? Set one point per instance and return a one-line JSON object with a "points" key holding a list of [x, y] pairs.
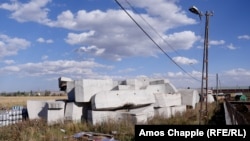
{"points": [[39, 130], [9, 101]]}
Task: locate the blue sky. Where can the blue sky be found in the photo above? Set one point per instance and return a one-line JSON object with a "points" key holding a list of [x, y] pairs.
{"points": [[42, 40]]}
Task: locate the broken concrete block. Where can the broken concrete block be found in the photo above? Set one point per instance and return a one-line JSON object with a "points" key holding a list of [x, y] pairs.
{"points": [[55, 112], [139, 118], [86, 88], [62, 83], [73, 112], [56, 105], [110, 100], [169, 88], [96, 117], [210, 98], [164, 112], [166, 88], [147, 110], [178, 109], [37, 108], [126, 87], [166, 100], [158, 81], [140, 83], [189, 97], [71, 90], [140, 115]]}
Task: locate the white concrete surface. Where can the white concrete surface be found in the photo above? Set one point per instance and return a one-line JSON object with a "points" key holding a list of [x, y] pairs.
{"points": [[210, 98], [189, 97], [56, 105], [161, 88], [55, 113], [37, 109], [71, 90], [178, 109], [166, 100], [97, 117], [164, 112], [86, 88], [73, 112], [110, 100]]}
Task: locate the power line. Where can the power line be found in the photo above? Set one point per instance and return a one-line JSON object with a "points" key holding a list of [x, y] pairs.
{"points": [[153, 40], [151, 27], [190, 64]]}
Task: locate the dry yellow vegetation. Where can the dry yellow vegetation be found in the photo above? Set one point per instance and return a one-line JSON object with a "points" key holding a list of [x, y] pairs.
{"points": [[9, 101]]}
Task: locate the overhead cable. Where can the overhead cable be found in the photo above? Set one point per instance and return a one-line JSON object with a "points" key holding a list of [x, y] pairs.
{"points": [[153, 40]]}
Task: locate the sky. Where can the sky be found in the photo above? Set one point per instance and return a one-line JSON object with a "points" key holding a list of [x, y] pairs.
{"points": [[42, 40]]}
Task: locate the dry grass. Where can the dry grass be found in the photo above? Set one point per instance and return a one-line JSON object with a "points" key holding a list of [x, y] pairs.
{"points": [[9, 101], [38, 130]]}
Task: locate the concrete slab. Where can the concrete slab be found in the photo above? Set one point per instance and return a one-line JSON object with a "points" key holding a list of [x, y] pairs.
{"points": [[140, 115], [136, 116], [210, 98], [86, 88], [71, 90], [178, 109], [55, 105], [37, 109], [97, 117], [111, 100], [166, 100], [164, 112], [126, 87], [139, 83], [73, 112], [55, 115], [189, 97], [164, 85], [161, 88], [62, 83]]}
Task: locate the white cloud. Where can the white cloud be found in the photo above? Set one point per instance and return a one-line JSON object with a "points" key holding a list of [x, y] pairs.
{"points": [[184, 60], [79, 39], [56, 68], [34, 10], [42, 40], [45, 57], [10, 46], [231, 47], [215, 42], [9, 62], [247, 37], [127, 70], [181, 40], [238, 72], [120, 38], [91, 50]]}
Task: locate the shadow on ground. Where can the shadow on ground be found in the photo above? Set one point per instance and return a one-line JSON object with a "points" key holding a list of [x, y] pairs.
{"points": [[219, 116]]}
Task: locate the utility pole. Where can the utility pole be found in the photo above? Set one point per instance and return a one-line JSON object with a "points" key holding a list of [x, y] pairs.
{"points": [[204, 82]]}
